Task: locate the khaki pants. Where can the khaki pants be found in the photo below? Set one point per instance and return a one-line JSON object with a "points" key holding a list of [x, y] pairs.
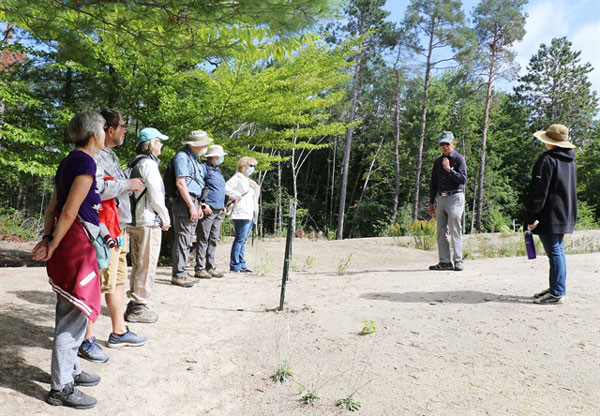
{"points": [[145, 248], [116, 272]]}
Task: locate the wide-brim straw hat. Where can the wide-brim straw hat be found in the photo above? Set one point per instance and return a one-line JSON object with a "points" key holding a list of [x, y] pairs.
{"points": [[198, 138], [557, 135], [215, 150]]}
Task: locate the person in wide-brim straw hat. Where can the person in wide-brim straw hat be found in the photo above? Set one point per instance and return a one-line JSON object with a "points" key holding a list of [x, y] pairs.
{"points": [[551, 209], [557, 135]]}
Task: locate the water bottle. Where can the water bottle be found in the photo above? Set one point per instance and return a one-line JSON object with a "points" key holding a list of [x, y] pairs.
{"points": [[529, 243]]}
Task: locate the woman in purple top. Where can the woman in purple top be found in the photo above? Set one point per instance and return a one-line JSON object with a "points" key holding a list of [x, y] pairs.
{"points": [[71, 259]]}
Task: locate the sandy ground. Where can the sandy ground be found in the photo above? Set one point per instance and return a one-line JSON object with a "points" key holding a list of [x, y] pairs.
{"points": [[447, 343]]}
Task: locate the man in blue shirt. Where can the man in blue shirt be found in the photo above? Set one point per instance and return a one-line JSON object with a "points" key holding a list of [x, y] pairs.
{"points": [[189, 180], [448, 178], [209, 227]]}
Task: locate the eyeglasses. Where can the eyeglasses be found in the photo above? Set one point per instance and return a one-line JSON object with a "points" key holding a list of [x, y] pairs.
{"points": [[252, 166], [123, 125]]}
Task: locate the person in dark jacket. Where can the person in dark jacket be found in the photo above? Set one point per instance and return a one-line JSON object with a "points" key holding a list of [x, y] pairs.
{"points": [[448, 178], [552, 202]]}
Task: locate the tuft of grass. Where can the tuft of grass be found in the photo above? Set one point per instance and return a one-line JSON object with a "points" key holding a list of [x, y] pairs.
{"points": [[349, 403], [265, 266], [309, 398], [309, 262], [370, 327], [343, 265], [283, 373]]}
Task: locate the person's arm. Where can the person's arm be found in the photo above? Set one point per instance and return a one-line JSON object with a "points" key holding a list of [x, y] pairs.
{"points": [[155, 197], [79, 190], [41, 249], [539, 188], [182, 188]]}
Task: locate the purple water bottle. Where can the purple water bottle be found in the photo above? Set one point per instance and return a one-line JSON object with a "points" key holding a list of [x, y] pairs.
{"points": [[529, 243]]}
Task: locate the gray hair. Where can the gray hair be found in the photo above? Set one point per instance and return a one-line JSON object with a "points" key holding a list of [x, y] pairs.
{"points": [[146, 148], [84, 125]]}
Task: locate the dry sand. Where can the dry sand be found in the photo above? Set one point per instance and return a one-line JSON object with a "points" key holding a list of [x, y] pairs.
{"points": [[447, 343]]}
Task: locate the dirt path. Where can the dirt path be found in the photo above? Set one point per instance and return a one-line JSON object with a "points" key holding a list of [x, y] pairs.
{"points": [[446, 343]]}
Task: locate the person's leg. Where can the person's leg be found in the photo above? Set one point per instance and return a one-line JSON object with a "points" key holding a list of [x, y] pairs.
{"points": [[69, 332], [148, 248], [246, 233], [443, 233], [213, 239], [553, 246], [234, 257], [185, 233], [204, 226], [455, 209]]}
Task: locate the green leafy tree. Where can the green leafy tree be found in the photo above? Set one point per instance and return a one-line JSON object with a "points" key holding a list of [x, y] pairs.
{"points": [[498, 23], [556, 89]]}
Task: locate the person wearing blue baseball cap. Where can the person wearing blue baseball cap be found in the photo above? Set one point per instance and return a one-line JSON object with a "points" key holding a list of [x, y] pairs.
{"points": [[149, 217], [448, 178]]}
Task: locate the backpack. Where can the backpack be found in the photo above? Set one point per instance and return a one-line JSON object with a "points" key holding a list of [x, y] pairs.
{"points": [[169, 180], [131, 173]]}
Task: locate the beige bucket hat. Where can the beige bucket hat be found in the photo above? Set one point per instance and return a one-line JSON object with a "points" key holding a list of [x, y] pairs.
{"points": [[215, 150], [198, 138], [556, 134]]}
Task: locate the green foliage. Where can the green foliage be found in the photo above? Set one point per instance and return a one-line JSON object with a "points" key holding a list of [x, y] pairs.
{"points": [[586, 218], [283, 373], [14, 224], [424, 234], [495, 220], [350, 403], [370, 327], [343, 265], [309, 398]]}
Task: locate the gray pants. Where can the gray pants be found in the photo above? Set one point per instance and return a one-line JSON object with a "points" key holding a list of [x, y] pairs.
{"points": [[184, 235], [69, 331], [448, 213], [209, 230]]}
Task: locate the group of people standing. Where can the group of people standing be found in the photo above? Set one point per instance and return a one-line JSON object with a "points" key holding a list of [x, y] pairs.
{"points": [[92, 192]]}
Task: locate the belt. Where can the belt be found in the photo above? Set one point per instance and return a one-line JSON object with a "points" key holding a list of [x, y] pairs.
{"points": [[448, 193]]}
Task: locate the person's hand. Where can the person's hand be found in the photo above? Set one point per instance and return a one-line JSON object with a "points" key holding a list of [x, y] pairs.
{"points": [[446, 164], [136, 184], [238, 198], [432, 210], [165, 227], [206, 209], [40, 250], [531, 226], [195, 215]]}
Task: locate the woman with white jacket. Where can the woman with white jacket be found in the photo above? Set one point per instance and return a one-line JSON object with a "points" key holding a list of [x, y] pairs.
{"points": [[244, 191], [150, 216]]}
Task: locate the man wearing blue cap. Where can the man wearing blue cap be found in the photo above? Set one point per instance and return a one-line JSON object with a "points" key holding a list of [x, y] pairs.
{"points": [[448, 178]]}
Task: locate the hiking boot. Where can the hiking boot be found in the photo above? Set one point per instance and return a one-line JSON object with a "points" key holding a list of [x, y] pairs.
{"points": [[202, 274], [458, 266], [215, 273], [71, 397], [542, 293], [86, 380], [139, 312], [549, 299], [442, 266], [128, 339], [182, 281], [90, 350]]}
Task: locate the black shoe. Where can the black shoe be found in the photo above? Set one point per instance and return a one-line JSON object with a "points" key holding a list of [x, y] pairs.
{"points": [[442, 266], [549, 299], [542, 293], [246, 271], [86, 380], [458, 266], [71, 397]]}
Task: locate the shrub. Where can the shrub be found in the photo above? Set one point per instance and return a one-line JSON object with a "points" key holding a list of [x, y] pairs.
{"points": [[424, 234], [13, 224]]}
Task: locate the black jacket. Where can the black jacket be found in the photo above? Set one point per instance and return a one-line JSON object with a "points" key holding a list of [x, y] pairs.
{"points": [[553, 193]]}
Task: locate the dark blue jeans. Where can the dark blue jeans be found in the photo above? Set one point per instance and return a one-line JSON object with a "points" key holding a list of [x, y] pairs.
{"points": [[242, 231], [553, 245]]}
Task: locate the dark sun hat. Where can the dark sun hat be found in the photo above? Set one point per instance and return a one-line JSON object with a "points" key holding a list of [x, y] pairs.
{"points": [[556, 134]]}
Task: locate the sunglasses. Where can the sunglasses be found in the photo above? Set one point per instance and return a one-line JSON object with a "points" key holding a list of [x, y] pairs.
{"points": [[252, 166]]}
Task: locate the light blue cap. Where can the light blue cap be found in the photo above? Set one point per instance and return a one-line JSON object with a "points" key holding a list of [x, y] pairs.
{"points": [[446, 137], [150, 133]]}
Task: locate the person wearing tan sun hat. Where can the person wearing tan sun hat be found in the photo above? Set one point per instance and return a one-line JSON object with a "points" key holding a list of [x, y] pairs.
{"points": [[552, 202]]}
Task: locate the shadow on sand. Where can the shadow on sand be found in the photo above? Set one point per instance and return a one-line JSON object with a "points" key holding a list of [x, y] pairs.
{"points": [[456, 296]]}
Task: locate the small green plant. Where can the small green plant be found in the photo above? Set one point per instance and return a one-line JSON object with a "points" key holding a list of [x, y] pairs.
{"points": [[349, 403], [283, 373], [309, 398], [310, 260], [264, 268], [370, 327], [343, 265], [424, 234], [295, 267]]}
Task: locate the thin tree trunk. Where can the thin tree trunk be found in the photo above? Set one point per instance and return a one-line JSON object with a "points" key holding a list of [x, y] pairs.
{"points": [[486, 116], [346, 162], [396, 146], [419, 160], [279, 207], [331, 199]]}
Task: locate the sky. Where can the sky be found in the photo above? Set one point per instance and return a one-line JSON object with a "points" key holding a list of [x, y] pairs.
{"points": [[578, 20]]}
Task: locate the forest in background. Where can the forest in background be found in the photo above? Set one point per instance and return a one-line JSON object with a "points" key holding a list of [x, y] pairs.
{"points": [[340, 106]]}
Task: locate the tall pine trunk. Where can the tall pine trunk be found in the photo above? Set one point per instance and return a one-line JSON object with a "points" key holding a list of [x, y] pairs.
{"points": [[396, 146], [486, 116]]}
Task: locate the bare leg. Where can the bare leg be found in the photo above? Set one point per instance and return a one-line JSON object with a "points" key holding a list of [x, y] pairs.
{"points": [[114, 301], [89, 330]]}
